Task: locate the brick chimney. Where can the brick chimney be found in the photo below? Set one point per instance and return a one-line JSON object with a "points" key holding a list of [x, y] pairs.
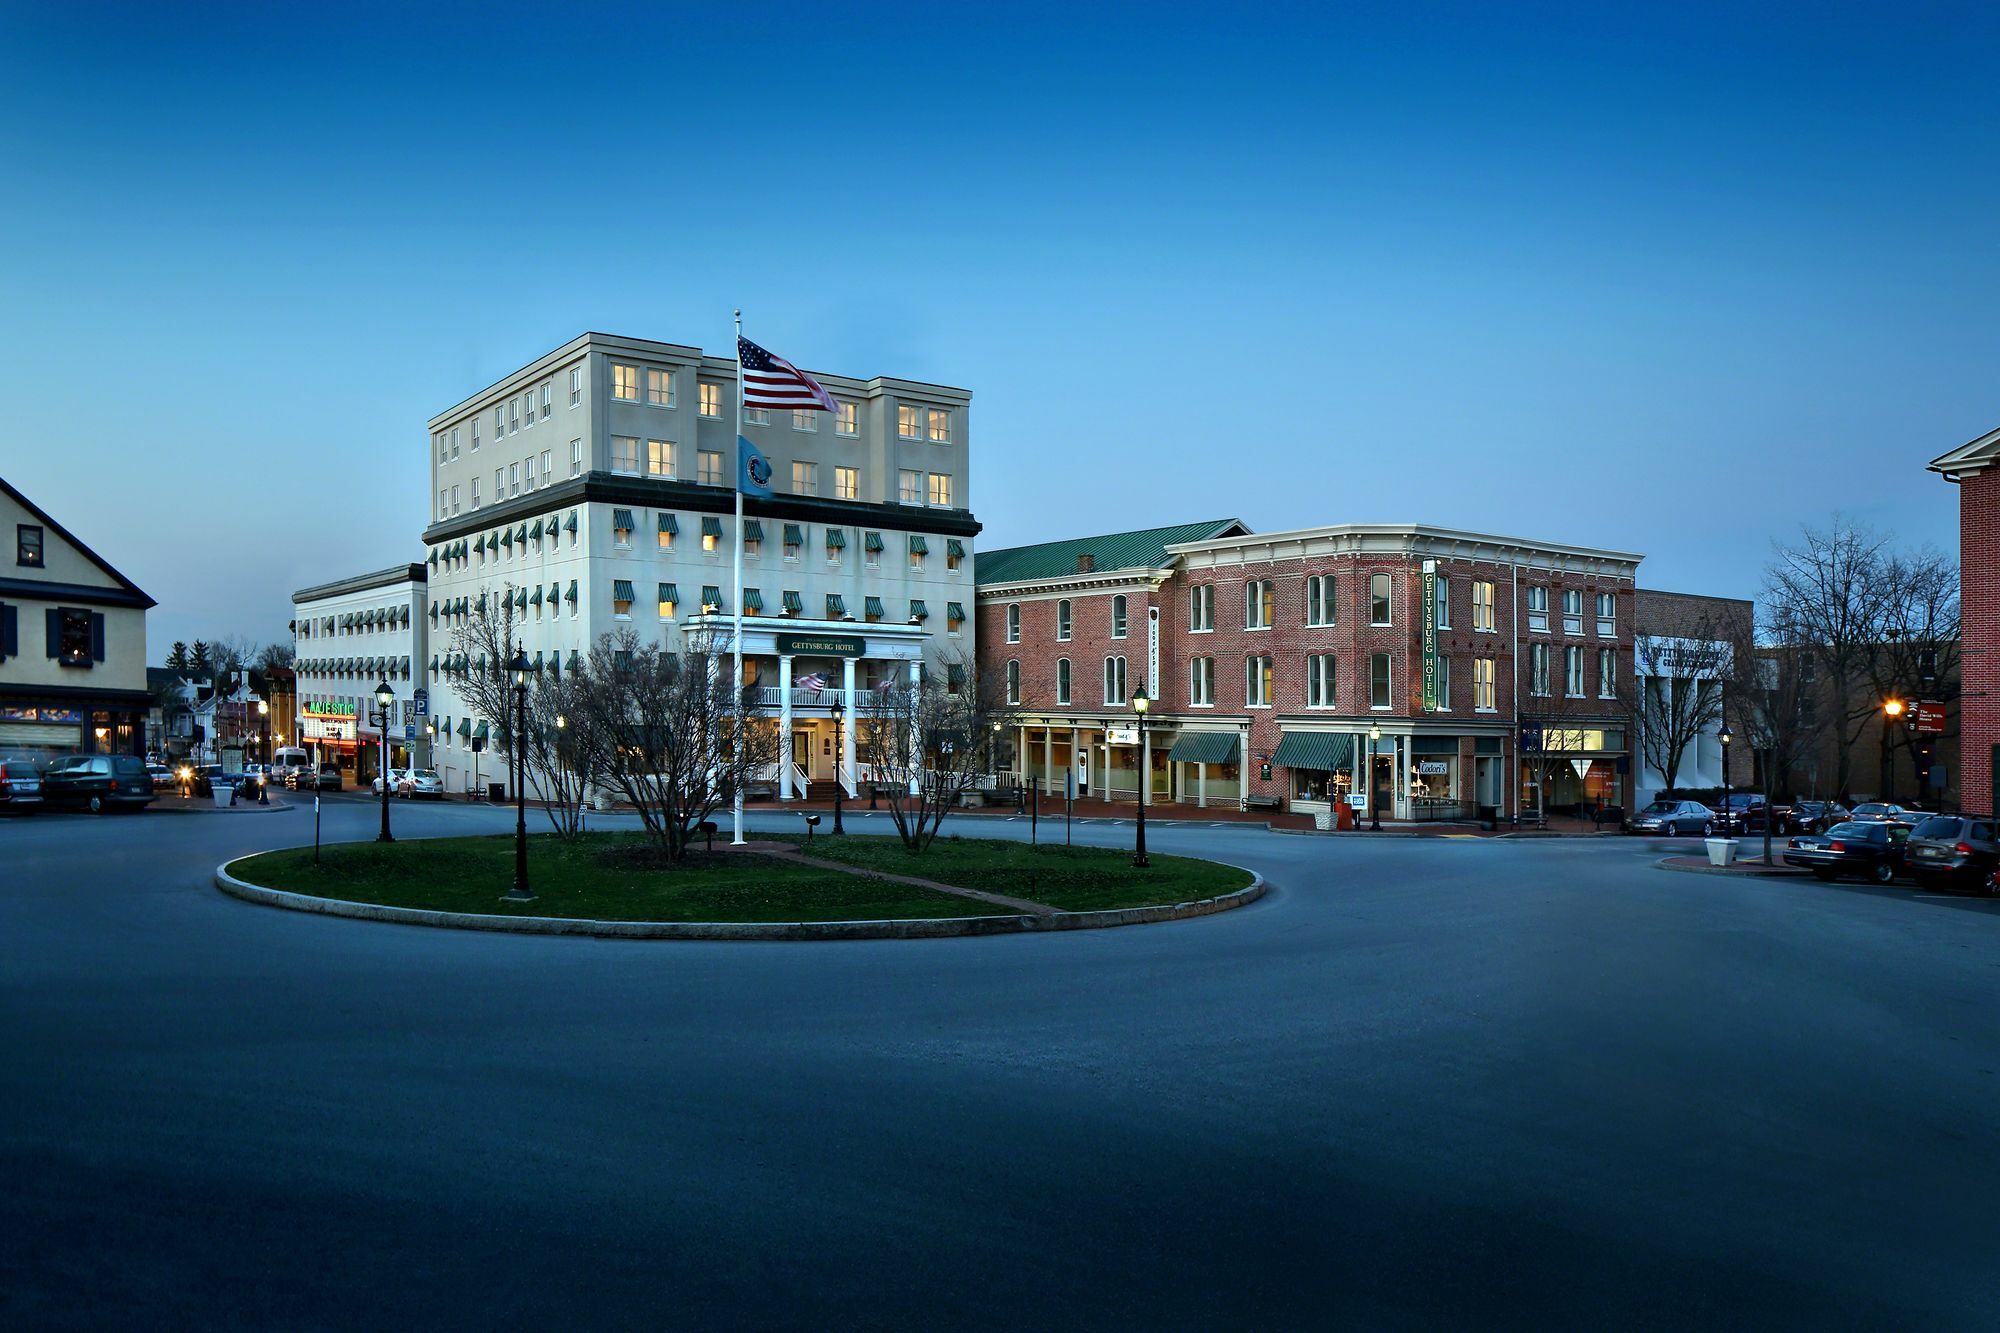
{"points": [[1086, 563]]}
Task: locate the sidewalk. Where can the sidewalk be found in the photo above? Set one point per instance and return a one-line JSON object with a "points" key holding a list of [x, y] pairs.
{"points": [[175, 804], [1745, 866]]}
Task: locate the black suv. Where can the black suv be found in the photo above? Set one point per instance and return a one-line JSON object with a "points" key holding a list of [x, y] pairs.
{"points": [[98, 782], [1953, 850]]}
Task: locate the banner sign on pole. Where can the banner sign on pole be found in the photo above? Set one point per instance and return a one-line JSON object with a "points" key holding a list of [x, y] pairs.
{"points": [[1430, 623]]}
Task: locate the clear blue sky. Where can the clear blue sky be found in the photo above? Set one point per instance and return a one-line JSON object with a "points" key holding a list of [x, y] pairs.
{"points": [[1672, 280]]}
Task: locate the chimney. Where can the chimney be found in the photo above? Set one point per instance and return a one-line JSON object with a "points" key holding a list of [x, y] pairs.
{"points": [[1086, 563]]}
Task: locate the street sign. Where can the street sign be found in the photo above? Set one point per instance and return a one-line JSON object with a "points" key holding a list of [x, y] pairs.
{"points": [[1582, 767], [409, 731], [422, 699]]}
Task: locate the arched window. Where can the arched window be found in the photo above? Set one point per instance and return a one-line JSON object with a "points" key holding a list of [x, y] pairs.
{"points": [[1062, 680], [1013, 681], [1014, 623], [1062, 620], [1118, 616]]}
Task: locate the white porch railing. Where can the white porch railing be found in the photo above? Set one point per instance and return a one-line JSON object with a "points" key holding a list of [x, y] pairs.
{"points": [[771, 696]]}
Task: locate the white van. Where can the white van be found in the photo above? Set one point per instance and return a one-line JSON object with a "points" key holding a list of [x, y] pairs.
{"points": [[287, 760]]}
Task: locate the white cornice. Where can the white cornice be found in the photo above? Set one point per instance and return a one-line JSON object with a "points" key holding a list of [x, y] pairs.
{"points": [[1969, 459], [1412, 540]]}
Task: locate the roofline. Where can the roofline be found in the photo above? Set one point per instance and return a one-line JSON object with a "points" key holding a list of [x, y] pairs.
{"points": [[1418, 530], [1982, 453], [1218, 523], [414, 572], [130, 587]]}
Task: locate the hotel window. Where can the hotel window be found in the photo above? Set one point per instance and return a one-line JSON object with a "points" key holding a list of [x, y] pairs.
{"points": [[711, 534], [836, 541], [910, 486], [909, 423], [941, 489], [1201, 682], [954, 554], [513, 479], [753, 537], [1482, 684], [1573, 672], [1572, 610], [756, 416], [1062, 620], [454, 442], [1320, 590], [1444, 685], [1482, 606], [621, 599], [475, 435], [475, 492], [708, 467], [1538, 668], [1013, 682], [669, 599], [1114, 680], [28, 543], [660, 388], [846, 418], [1257, 604], [660, 458], [795, 540], [847, 483], [1607, 615], [919, 548], [621, 527], [528, 473], [1378, 681], [444, 511], [804, 420], [1013, 624], [805, 479], [1443, 607], [1118, 616], [444, 450], [1062, 680], [513, 416], [1201, 608], [1378, 599], [1256, 682], [548, 400], [1320, 677], [548, 467], [709, 398], [1538, 610], [871, 549], [954, 617], [625, 454], [670, 528], [499, 420], [625, 383], [938, 426], [575, 387]]}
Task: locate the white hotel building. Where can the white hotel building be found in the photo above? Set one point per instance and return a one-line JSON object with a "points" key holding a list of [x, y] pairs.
{"points": [[348, 637], [595, 487]]}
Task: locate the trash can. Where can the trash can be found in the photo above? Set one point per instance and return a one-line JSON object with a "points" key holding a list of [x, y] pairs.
{"points": [[1721, 851], [1343, 816], [223, 791], [496, 792], [1489, 817]]}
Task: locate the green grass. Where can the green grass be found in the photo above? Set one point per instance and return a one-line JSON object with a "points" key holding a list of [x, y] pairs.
{"points": [[594, 879], [1074, 879]]}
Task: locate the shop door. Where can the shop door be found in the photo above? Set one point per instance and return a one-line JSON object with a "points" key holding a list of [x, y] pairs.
{"points": [[1486, 780], [1083, 770], [1383, 783], [802, 751]]}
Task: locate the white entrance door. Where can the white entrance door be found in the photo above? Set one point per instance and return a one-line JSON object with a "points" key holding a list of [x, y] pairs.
{"points": [[1083, 770]]}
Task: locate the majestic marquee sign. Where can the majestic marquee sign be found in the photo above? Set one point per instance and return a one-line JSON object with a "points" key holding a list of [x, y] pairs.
{"points": [[823, 645], [1430, 636], [326, 729], [324, 708]]}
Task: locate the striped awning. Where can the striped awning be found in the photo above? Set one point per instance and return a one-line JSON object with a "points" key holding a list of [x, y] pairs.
{"points": [[873, 541], [670, 592], [753, 531], [622, 518], [873, 606], [711, 526], [621, 590], [954, 612], [570, 524], [918, 546], [836, 539], [570, 596], [836, 607], [669, 524], [954, 547], [711, 597], [536, 530], [794, 603], [753, 600], [1320, 750], [794, 535], [1206, 747], [918, 611]]}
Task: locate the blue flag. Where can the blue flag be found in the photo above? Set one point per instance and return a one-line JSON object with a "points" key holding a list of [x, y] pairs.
{"points": [[753, 470]]}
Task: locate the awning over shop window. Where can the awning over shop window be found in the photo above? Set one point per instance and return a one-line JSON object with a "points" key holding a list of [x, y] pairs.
{"points": [[954, 547], [711, 526], [794, 535], [669, 524], [621, 590], [836, 606], [622, 518], [836, 539], [1320, 750], [1206, 747], [753, 600]]}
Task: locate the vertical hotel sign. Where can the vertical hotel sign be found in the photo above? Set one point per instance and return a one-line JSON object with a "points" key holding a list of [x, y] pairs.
{"points": [[1430, 623]]}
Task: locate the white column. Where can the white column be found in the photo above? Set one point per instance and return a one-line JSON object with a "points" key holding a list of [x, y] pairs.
{"points": [[1243, 772], [1145, 768], [1201, 785], [846, 757], [916, 736], [1048, 756], [784, 726]]}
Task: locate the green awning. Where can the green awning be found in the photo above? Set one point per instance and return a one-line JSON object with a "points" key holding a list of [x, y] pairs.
{"points": [[621, 590], [953, 611], [521, 534], [753, 531], [836, 539], [670, 592], [481, 604], [711, 597], [669, 524], [465, 726], [538, 661], [794, 603], [570, 524], [536, 531], [753, 600], [480, 732], [836, 606], [1206, 747], [570, 596], [434, 557], [873, 541], [622, 518], [711, 526], [954, 547], [555, 665], [535, 597], [954, 675], [873, 606], [555, 593], [918, 611], [918, 546], [434, 613], [521, 598], [794, 535], [434, 664], [572, 659], [1320, 750]]}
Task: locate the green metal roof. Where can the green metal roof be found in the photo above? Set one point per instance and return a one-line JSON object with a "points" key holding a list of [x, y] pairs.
{"points": [[1144, 549]]}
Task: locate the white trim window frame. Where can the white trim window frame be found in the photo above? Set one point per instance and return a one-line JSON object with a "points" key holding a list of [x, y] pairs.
{"points": [[1064, 677], [1063, 620], [1381, 601], [1538, 608], [1322, 601], [1115, 681], [1483, 621], [659, 387], [1013, 622], [1381, 682], [1572, 604], [1483, 697], [1201, 609], [1607, 615], [1259, 601], [1322, 680], [1607, 673], [1258, 676], [1201, 682], [1572, 672]]}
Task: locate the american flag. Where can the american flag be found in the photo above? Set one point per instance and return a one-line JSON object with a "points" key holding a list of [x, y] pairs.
{"points": [[772, 381], [815, 682]]}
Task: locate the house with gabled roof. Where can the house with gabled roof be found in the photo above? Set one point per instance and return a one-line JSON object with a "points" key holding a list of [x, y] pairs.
{"points": [[1974, 467]]}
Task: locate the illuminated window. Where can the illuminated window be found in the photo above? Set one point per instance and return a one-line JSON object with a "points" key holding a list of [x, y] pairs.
{"points": [[805, 478], [1256, 682], [847, 419], [1259, 600], [941, 490], [660, 458], [708, 467], [909, 423], [938, 426], [1482, 684], [1482, 607], [847, 483], [625, 383], [660, 388], [625, 454], [711, 398]]}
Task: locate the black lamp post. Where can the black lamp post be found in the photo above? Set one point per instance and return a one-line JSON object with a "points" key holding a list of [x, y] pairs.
{"points": [[1725, 736], [384, 696], [520, 893], [1374, 792], [1140, 703], [839, 711]]}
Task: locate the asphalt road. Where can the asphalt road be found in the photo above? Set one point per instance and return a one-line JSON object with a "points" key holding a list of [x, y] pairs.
{"points": [[1423, 1083]]}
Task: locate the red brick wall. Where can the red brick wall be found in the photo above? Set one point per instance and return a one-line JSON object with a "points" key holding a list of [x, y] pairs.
{"points": [[1979, 581], [1089, 644]]}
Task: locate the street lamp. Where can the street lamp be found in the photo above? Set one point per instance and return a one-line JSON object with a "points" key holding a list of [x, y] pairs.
{"points": [[520, 667], [1374, 796], [1892, 709], [264, 711], [1141, 703], [1726, 736], [839, 710], [384, 696]]}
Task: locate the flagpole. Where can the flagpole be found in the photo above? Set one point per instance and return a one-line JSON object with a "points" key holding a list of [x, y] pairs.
{"points": [[736, 596]]}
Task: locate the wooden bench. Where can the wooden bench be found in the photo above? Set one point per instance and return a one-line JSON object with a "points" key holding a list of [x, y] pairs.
{"points": [[1267, 804]]}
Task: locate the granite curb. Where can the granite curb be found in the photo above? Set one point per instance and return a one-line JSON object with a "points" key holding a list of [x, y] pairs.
{"points": [[914, 928], [1739, 871]]}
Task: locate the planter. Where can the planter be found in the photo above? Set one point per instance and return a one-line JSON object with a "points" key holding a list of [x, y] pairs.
{"points": [[1323, 820], [1721, 851], [222, 792]]}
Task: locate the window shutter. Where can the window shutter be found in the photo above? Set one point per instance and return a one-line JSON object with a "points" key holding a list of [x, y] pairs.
{"points": [[10, 631], [97, 636], [53, 622]]}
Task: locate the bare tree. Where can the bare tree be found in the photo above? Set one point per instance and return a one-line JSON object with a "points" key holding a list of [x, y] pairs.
{"points": [[273, 656], [929, 744], [560, 753], [672, 735], [1829, 596], [1772, 703], [484, 642], [1918, 654], [1682, 695]]}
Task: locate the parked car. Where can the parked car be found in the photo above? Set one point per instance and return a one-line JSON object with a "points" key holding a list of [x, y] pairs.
{"points": [[1884, 812], [395, 779], [1672, 818], [424, 782], [98, 782], [1742, 812], [20, 783], [162, 776], [328, 778], [1872, 850], [1953, 851], [1814, 816]]}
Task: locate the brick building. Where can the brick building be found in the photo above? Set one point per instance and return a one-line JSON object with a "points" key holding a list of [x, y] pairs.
{"points": [[1423, 670], [1682, 657], [1975, 468]]}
